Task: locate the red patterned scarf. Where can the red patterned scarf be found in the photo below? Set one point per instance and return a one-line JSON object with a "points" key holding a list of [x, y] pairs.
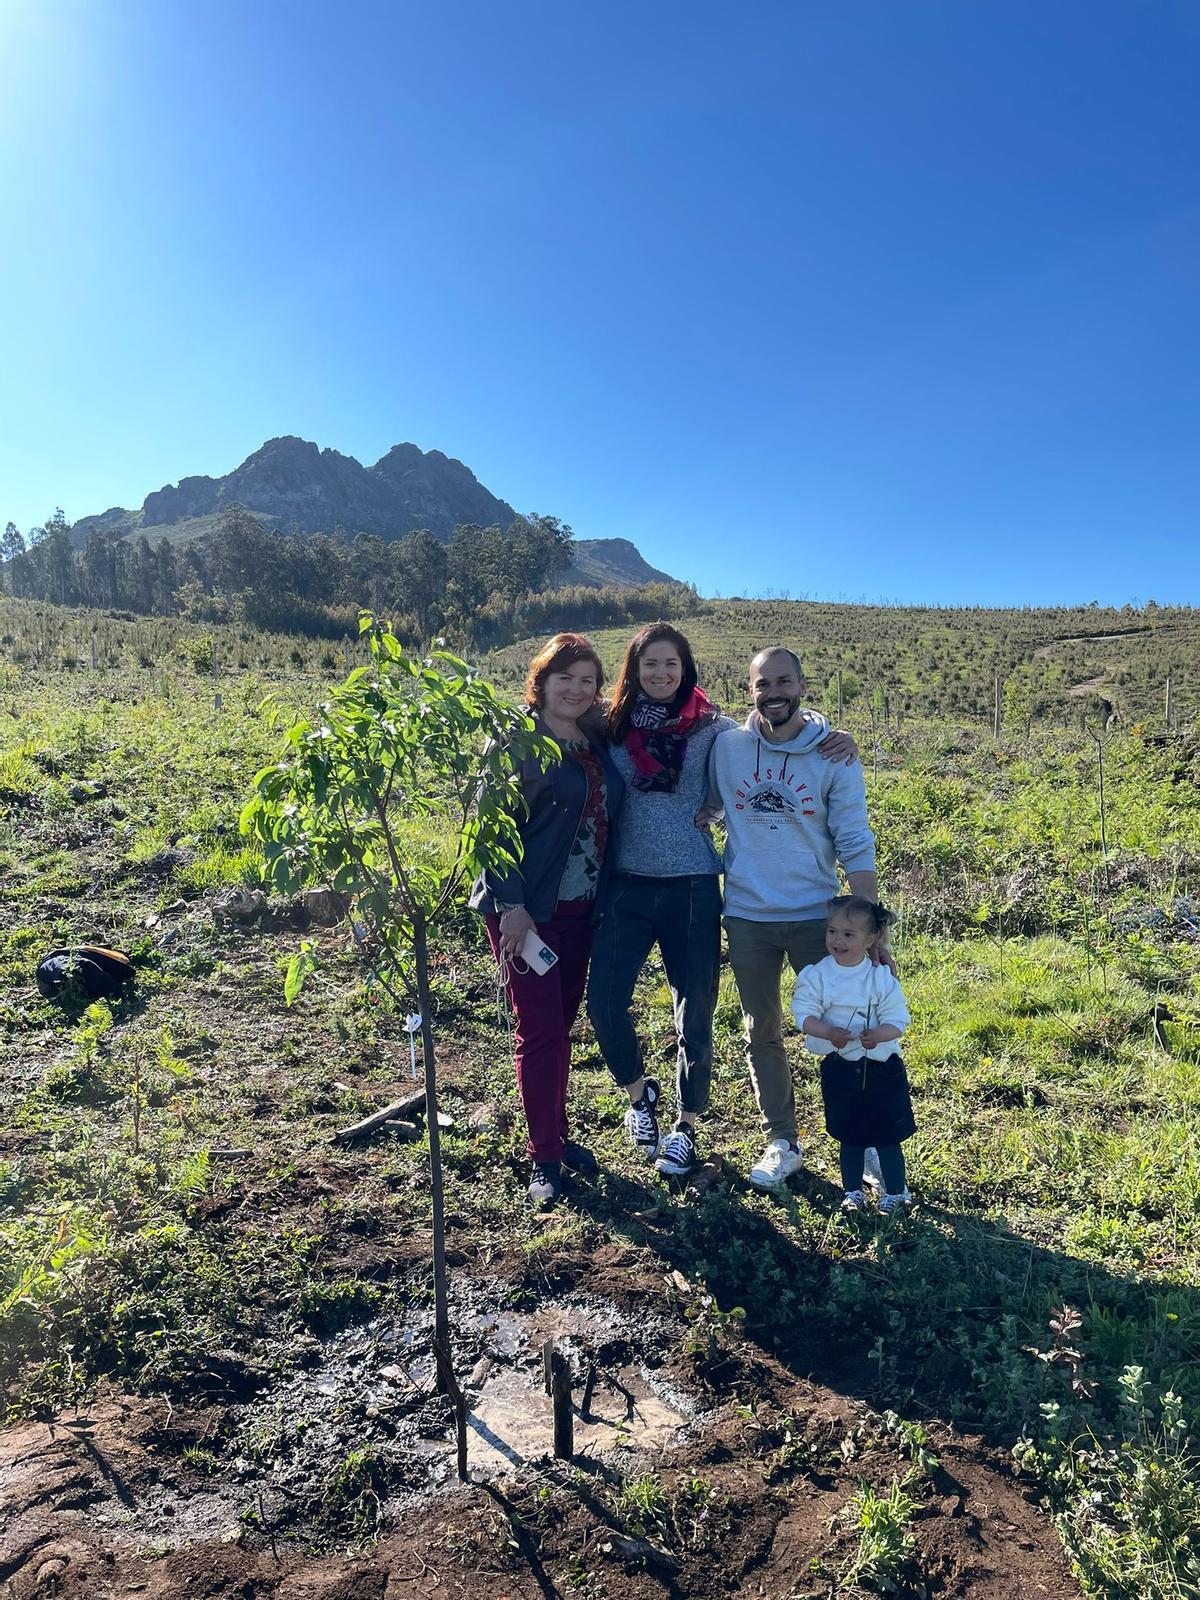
{"points": [[657, 751]]}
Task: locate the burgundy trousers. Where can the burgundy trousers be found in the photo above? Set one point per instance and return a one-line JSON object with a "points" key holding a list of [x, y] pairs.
{"points": [[544, 1011]]}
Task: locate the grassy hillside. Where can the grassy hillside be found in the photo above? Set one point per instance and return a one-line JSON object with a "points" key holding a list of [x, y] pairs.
{"points": [[1055, 665], [197, 1284]]}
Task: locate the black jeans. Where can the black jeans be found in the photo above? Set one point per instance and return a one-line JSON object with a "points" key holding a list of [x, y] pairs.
{"points": [[683, 917]]}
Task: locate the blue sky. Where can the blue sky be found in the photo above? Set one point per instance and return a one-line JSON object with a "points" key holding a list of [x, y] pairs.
{"points": [[893, 299]]}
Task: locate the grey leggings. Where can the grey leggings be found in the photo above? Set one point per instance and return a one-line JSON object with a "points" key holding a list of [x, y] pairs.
{"points": [[891, 1165]]}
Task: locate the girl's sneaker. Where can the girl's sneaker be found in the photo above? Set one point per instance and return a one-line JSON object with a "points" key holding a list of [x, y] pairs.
{"points": [[855, 1200], [895, 1202], [679, 1152], [641, 1121]]}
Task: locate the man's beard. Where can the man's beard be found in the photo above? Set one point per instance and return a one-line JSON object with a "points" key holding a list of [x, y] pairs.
{"points": [[779, 717]]}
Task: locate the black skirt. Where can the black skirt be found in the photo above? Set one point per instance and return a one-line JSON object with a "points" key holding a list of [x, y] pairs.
{"points": [[871, 1107]]}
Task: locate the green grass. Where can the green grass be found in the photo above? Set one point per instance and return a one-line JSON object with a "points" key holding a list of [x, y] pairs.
{"points": [[1057, 1158], [941, 662]]}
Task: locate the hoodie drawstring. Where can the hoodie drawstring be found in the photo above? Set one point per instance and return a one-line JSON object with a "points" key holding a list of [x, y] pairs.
{"points": [[787, 756]]}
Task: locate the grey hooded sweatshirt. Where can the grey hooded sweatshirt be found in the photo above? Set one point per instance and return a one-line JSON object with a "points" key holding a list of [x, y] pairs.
{"points": [[790, 817]]}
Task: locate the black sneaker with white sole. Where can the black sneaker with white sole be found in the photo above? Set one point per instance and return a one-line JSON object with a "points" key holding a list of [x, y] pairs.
{"points": [[641, 1121], [679, 1153]]}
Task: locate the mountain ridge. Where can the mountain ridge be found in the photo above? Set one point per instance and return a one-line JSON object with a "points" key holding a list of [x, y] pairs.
{"points": [[294, 485]]}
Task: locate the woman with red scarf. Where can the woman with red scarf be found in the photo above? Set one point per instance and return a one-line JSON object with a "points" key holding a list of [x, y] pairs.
{"points": [[665, 888]]}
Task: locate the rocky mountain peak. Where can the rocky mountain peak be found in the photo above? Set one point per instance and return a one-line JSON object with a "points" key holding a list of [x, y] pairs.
{"points": [[292, 484]]}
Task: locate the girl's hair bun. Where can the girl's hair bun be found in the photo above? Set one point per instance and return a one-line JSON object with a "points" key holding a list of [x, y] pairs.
{"points": [[857, 905]]}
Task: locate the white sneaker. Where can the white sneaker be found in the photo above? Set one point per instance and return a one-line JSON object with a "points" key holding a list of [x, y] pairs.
{"points": [[855, 1200], [776, 1163], [895, 1202], [872, 1172]]}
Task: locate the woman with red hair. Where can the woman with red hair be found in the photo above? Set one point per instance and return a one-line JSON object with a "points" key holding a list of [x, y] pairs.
{"points": [[552, 891]]}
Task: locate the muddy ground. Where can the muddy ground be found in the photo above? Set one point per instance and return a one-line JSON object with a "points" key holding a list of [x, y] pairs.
{"points": [[709, 1461], [754, 1467], [754, 1476]]}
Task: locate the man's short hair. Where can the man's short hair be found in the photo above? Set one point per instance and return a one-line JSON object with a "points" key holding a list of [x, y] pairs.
{"points": [[778, 650]]}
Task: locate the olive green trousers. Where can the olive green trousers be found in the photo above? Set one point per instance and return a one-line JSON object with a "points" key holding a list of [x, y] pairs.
{"points": [[757, 952]]}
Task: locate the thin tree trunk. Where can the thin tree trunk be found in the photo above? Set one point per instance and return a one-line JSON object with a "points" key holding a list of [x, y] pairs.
{"points": [[1103, 813], [443, 1356]]}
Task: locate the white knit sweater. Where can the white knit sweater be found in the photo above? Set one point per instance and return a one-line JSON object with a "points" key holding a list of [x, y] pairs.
{"points": [[857, 998]]}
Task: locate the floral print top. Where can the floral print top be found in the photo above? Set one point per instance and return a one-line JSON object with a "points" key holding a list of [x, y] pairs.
{"points": [[582, 871]]}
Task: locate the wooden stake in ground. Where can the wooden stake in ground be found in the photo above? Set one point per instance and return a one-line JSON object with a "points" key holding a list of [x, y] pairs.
{"points": [[558, 1383]]}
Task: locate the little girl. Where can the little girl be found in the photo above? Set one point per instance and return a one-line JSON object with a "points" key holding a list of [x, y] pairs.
{"points": [[852, 1012]]}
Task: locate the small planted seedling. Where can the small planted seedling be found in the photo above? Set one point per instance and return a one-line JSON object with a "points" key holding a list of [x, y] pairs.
{"points": [[885, 1544], [913, 1440], [642, 1503], [404, 751]]}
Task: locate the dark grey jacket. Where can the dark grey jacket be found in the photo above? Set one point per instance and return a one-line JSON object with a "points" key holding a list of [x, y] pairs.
{"points": [[555, 799]]}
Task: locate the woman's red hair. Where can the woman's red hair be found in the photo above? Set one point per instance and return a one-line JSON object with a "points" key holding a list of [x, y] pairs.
{"points": [[563, 651]]}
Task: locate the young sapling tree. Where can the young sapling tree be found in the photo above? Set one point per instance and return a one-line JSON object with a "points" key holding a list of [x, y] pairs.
{"points": [[402, 747]]}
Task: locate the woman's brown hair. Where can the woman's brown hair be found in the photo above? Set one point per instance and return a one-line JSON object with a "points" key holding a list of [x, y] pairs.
{"points": [[556, 655], [625, 690]]}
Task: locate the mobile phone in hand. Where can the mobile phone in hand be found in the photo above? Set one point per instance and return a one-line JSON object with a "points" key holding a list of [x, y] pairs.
{"points": [[537, 954]]}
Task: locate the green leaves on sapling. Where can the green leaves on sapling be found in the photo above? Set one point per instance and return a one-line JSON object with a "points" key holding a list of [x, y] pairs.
{"points": [[399, 741]]}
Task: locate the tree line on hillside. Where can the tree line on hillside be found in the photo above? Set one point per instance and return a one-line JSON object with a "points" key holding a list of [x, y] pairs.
{"points": [[482, 588]]}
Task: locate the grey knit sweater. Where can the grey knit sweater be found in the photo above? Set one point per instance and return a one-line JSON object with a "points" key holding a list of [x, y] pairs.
{"points": [[657, 836]]}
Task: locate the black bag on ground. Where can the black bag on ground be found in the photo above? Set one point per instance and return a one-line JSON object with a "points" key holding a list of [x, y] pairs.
{"points": [[90, 968]]}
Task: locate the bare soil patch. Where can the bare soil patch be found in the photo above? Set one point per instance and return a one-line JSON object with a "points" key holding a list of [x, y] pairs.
{"points": [[751, 1468]]}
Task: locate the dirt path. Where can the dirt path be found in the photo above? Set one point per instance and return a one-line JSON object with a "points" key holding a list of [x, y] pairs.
{"points": [[1045, 650], [1079, 691]]}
